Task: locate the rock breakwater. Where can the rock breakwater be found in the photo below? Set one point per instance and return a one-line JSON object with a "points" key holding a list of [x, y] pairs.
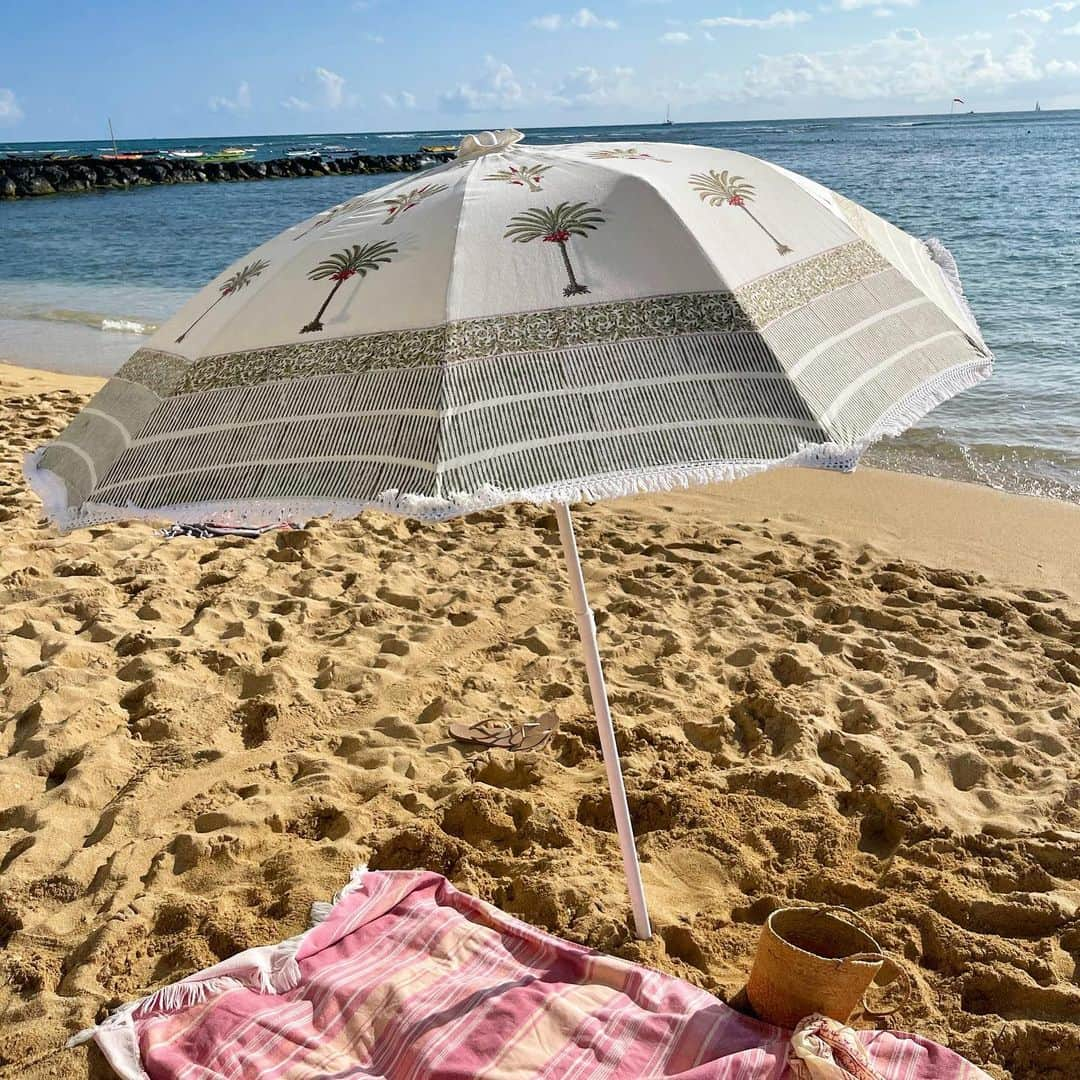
{"points": [[25, 178]]}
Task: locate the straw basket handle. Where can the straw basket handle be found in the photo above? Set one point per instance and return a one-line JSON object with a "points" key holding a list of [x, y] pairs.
{"points": [[908, 983], [870, 957]]}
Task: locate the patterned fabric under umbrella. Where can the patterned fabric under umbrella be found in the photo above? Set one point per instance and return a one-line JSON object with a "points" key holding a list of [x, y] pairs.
{"points": [[539, 324]]}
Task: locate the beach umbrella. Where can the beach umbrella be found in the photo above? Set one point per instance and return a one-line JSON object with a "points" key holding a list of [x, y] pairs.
{"points": [[541, 324]]}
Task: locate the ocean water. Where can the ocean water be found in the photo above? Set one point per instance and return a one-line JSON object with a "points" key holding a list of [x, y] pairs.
{"points": [[84, 278]]}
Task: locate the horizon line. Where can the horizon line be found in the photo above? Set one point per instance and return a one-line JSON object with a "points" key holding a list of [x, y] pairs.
{"points": [[541, 127]]}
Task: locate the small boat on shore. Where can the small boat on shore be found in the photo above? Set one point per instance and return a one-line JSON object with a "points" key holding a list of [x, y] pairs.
{"points": [[187, 153], [117, 155], [231, 153], [303, 153], [437, 149]]}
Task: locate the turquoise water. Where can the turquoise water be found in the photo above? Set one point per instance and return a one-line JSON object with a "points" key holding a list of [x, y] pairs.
{"points": [[83, 277]]}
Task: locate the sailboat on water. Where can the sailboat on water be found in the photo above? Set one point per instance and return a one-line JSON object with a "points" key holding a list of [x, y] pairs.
{"points": [[1038, 107], [117, 155], [667, 118]]}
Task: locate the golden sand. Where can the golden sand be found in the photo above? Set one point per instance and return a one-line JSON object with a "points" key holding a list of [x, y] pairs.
{"points": [[861, 690]]}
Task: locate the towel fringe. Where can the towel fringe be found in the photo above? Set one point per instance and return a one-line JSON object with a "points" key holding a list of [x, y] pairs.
{"points": [[321, 909], [188, 992]]}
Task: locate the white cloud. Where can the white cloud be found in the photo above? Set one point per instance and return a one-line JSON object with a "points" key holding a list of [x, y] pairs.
{"points": [[582, 19], [401, 100], [776, 20], [333, 90], [240, 103], [496, 89], [675, 37], [586, 87], [10, 112], [877, 5], [585, 19], [377, 39], [904, 66], [1045, 14], [333, 87]]}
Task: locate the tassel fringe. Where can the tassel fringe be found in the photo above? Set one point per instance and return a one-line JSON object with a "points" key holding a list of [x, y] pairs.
{"points": [[943, 259], [195, 991]]}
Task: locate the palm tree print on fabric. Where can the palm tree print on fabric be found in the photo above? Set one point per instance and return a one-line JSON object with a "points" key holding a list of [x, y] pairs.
{"points": [[527, 176], [627, 153], [339, 267], [724, 188], [232, 284], [400, 203], [396, 206], [556, 225], [361, 202]]}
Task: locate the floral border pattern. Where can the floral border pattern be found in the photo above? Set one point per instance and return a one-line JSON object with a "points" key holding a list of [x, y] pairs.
{"points": [[770, 297], [158, 371], [749, 308]]}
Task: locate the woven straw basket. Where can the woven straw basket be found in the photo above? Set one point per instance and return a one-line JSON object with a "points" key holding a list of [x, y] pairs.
{"points": [[812, 960]]}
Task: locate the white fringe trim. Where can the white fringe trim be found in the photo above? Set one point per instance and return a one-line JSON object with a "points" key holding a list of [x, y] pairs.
{"points": [[46, 485], [943, 259], [320, 909], [834, 456], [283, 975]]}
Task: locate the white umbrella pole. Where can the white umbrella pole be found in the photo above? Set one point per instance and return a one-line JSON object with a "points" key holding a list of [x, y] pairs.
{"points": [[587, 630]]}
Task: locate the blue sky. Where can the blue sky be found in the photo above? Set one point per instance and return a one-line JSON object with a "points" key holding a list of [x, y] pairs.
{"points": [[278, 66]]}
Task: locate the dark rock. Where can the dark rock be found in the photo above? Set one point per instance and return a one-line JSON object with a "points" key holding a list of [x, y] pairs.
{"points": [[20, 177]]}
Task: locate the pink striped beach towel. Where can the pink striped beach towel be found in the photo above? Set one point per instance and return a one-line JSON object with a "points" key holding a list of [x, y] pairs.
{"points": [[404, 978]]}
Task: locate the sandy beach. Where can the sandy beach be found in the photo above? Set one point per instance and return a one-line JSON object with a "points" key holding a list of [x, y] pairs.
{"points": [[859, 690]]}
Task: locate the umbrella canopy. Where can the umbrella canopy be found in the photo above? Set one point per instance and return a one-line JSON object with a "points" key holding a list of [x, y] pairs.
{"points": [[541, 324], [544, 324]]}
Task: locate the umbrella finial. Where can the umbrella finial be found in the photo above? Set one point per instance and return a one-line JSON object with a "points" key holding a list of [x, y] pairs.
{"points": [[487, 142]]}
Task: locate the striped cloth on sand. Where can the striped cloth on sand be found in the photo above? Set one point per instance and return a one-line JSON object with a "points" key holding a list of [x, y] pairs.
{"points": [[405, 977]]}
